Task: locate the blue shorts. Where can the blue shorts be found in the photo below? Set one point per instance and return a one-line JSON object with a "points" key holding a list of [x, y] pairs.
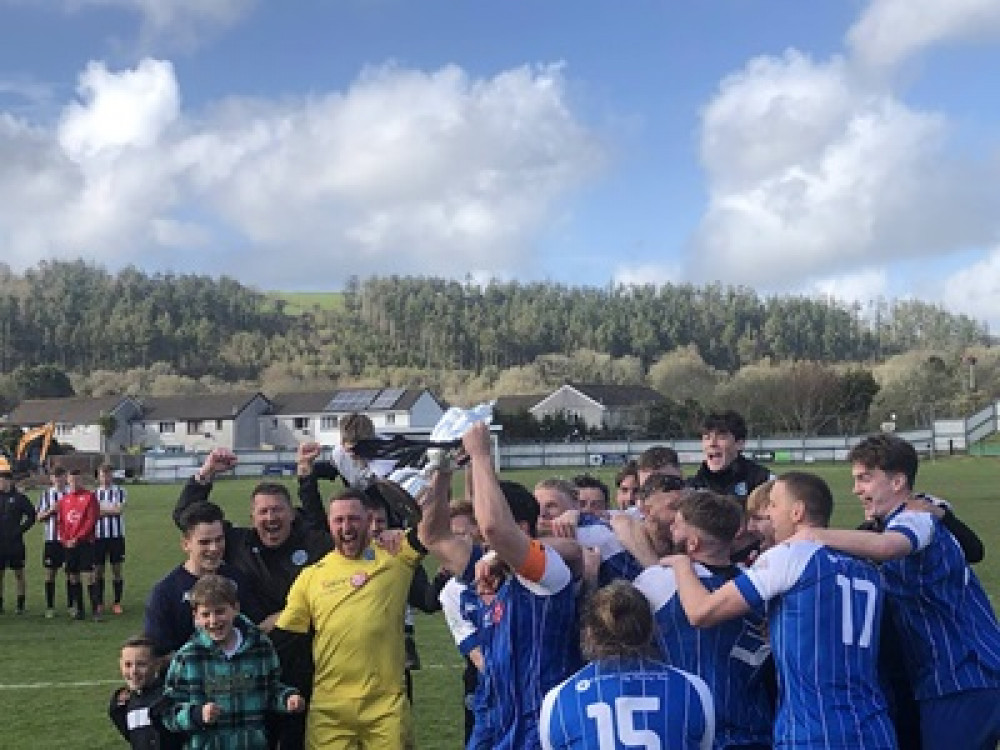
{"points": [[969, 720]]}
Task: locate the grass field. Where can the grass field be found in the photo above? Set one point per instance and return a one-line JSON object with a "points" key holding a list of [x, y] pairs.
{"points": [[56, 675], [297, 303]]}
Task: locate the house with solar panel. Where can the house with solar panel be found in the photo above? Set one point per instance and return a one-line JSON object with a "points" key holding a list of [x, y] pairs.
{"points": [[315, 416]]}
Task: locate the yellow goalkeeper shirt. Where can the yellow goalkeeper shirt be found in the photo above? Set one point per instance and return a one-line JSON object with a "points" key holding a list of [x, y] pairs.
{"points": [[356, 609]]}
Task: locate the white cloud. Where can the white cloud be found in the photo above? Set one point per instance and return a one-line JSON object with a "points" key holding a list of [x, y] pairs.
{"points": [[890, 32], [649, 273], [119, 110], [812, 174], [975, 290], [861, 286], [406, 171]]}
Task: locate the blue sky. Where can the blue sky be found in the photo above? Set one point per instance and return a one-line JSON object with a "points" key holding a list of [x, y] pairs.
{"points": [[843, 148]]}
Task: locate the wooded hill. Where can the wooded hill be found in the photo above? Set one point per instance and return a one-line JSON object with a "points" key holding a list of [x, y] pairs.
{"points": [[132, 331]]}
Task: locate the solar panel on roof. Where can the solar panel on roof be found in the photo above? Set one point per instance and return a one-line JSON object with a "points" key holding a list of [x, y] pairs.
{"points": [[387, 398], [352, 400]]}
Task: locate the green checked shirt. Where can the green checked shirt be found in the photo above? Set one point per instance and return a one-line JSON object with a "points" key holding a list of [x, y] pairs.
{"points": [[245, 686]]}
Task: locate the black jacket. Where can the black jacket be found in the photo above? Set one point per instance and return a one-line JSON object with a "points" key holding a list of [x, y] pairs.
{"points": [[17, 515], [148, 732], [738, 479], [270, 572]]}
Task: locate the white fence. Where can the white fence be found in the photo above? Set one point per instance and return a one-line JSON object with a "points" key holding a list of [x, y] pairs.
{"points": [[945, 436]]}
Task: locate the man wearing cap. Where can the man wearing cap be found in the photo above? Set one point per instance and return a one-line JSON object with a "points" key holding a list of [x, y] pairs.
{"points": [[17, 515]]}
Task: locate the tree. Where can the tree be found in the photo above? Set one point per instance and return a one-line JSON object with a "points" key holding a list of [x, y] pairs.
{"points": [[108, 424], [42, 381]]}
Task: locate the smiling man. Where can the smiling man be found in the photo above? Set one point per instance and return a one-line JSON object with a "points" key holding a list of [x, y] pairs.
{"points": [[353, 600], [269, 555], [948, 632], [168, 610]]}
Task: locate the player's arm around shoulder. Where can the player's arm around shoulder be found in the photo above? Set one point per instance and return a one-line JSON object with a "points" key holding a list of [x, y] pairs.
{"points": [[702, 607], [906, 534]]}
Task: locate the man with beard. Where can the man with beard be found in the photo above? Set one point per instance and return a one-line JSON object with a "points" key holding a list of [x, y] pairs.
{"points": [[733, 657], [353, 600], [269, 556]]}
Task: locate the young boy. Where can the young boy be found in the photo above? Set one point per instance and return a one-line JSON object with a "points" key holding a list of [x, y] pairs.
{"points": [[135, 709], [225, 679]]}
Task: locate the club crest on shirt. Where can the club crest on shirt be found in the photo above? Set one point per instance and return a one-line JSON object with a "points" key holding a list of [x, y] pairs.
{"points": [[496, 612], [369, 554], [359, 579], [740, 489], [582, 686], [299, 557]]}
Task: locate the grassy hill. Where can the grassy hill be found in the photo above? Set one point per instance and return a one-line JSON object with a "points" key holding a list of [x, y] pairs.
{"points": [[297, 303]]}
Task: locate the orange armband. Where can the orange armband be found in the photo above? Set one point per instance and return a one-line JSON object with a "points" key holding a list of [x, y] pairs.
{"points": [[533, 567]]}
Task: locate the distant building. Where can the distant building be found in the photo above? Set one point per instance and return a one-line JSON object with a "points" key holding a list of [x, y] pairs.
{"points": [[316, 415], [200, 422], [600, 407], [78, 420]]}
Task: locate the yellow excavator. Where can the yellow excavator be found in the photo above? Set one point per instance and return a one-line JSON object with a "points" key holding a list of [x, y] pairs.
{"points": [[32, 450]]}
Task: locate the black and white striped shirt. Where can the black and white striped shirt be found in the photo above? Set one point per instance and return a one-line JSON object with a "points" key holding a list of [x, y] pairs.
{"points": [[46, 501], [110, 527]]}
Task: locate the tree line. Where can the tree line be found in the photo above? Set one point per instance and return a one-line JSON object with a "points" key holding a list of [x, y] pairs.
{"points": [[70, 326]]}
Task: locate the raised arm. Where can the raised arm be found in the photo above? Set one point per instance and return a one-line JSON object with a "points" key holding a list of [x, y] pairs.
{"points": [[493, 516], [199, 487], [434, 529], [310, 471]]}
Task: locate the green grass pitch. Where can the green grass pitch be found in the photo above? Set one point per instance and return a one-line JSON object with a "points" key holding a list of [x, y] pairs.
{"points": [[56, 675]]}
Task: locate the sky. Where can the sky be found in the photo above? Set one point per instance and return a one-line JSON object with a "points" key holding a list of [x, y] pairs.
{"points": [[840, 148]]}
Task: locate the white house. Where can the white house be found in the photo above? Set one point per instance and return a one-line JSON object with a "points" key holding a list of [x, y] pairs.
{"points": [[78, 420], [200, 422], [315, 416], [615, 407]]}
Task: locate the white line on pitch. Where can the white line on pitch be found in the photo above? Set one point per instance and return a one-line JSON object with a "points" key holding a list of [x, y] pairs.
{"points": [[98, 683]]}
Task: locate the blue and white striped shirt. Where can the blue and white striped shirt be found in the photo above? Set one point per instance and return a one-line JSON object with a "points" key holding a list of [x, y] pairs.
{"points": [[529, 636], [949, 634], [824, 608], [621, 704], [730, 657]]}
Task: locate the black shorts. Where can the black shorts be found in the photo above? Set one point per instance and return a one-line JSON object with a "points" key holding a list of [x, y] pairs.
{"points": [[12, 557], [53, 555], [80, 559], [109, 550]]}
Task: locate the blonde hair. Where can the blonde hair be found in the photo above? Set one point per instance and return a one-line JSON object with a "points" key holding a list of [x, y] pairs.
{"points": [[760, 498]]}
